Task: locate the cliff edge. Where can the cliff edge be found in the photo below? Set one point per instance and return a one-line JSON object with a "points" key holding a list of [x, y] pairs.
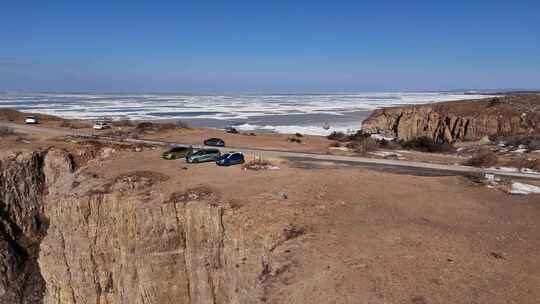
{"points": [[459, 120], [116, 226], [67, 236]]}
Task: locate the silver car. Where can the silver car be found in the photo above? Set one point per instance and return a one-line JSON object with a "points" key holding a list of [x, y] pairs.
{"points": [[203, 155]]}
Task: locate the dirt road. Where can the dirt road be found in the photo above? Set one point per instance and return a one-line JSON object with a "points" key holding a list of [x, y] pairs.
{"points": [[422, 167]]}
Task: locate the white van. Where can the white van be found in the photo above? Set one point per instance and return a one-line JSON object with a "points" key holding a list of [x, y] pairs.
{"points": [[101, 125], [31, 120]]}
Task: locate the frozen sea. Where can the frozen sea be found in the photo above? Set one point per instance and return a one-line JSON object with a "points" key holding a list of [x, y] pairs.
{"points": [[282, 113]]}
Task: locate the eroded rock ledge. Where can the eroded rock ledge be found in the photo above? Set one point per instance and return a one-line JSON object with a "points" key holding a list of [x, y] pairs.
{"points": [[459, 120], [68, 237], [22, 227]]}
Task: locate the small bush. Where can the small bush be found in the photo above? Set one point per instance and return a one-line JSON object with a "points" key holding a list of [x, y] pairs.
{"points": [[182, 124], [494, 102], [298, 135], [386, 144], [363, 145], [531, 141], [144, 127], [259, 164], [292, 231], [522, 163], [475, 177], [74, 124], [482, 159], [339, 136], [6, 131], [166, 126], [358, 135], [294, 139], [334, 144], [426, 144]]}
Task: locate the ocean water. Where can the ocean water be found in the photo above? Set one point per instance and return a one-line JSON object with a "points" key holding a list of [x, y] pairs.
{"points": [[283, 113]]}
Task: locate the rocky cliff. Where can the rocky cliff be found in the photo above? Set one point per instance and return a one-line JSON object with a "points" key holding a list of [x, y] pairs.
{"points": [[69, 236], [22, 227], [459, 120]]}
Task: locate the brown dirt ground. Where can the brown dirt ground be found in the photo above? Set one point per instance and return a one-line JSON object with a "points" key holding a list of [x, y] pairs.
{"points": [[310, 144], [369, 237]]}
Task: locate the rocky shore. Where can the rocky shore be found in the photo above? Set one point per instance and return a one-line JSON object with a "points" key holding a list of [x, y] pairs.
{"points": [[459, 120]]}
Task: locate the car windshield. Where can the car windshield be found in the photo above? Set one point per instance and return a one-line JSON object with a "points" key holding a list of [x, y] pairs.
{"points": [[178, 149], [199, 153]]}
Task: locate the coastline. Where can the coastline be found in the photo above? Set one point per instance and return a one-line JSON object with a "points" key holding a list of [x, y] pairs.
{"points": [[286, 114]]}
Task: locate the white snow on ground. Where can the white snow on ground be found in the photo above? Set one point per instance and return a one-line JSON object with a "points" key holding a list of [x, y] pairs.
{"points": [[524, 189], [512, 169], [521, 150], [385, 154], [381, 137], [504, 169]]}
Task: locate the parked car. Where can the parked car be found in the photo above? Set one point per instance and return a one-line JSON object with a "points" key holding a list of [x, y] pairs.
{"points": [[231, 130], [31, 120], [216, 142], [203, 155], [231, 158], [101, 125], [177, 152]]}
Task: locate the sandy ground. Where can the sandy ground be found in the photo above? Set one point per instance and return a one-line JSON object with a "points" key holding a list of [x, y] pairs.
{"points": [[369, 236]]}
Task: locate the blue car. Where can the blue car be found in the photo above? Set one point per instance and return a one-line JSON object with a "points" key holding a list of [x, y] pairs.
{"points": [[231, 158], [216, 142]]}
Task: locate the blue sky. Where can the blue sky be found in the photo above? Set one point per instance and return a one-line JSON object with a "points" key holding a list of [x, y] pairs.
{"points": [[268, 46]]}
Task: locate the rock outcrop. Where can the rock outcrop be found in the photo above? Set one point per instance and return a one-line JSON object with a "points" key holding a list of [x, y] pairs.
{"points": [[22, 227], [69, 237], [459, 120]]}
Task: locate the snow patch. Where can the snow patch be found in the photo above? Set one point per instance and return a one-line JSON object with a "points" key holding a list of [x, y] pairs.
{"points": [[504, 169], [520, 150], [524, 189], [386, 154], [381, 137]]}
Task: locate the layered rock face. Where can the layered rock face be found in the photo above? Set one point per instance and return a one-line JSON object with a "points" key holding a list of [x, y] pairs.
{"points": [[459, 120], [70, 238], [22, 227]]}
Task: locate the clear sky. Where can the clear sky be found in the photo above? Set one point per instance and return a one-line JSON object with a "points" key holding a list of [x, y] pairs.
{"points": [[269, 46]]}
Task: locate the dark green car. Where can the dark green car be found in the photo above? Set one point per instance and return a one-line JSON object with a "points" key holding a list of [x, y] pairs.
{"points": [[203, 155], [177, 152]]}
